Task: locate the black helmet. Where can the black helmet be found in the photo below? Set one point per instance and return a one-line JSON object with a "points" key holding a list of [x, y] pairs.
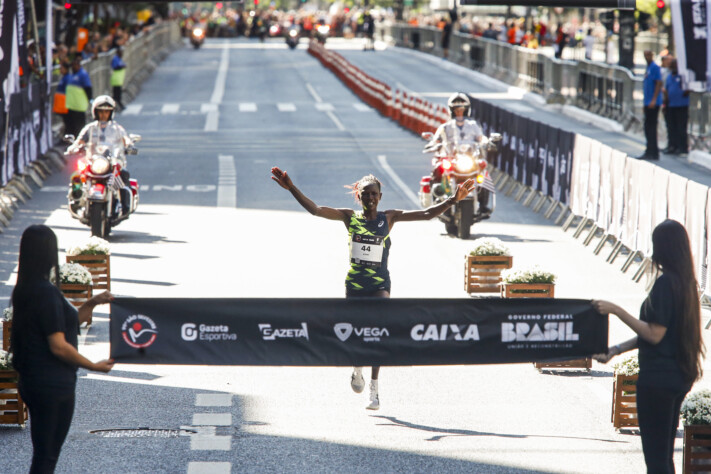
{"points": [[459, 100], [103, 102]]}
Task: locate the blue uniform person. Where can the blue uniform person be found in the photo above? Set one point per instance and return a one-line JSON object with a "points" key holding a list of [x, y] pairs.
{"points": [[118, 76], [652, 86], [77, 93], [678, 110]]}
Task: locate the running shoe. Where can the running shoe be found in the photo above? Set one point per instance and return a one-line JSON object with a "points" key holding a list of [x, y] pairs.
{"points": [[374, 399], [357, 382]]}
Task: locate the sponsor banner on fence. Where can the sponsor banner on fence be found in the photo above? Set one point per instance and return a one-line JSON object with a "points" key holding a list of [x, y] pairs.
{"points": [[353, 332]]}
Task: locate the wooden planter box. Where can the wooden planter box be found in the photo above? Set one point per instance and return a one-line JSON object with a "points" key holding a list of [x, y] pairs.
{"points": [[624, 405], [697, 448], [527, 290], [482, 273], [12, 409], [99, 266], [585, 363], [6, 328], [76, 294]]}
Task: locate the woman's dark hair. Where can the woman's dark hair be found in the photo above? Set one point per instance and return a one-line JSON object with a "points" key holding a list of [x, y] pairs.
{"points": [[672, 254], [38, 256]]}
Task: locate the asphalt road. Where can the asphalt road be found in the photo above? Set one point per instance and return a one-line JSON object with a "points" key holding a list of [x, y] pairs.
{"points": [[211, 223]]}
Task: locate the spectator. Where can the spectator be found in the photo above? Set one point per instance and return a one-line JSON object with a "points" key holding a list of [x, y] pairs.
{"points": [[504, 33], [677, 100], [609, 48], [446, 34], [490, 32], [118, 76], [513, 28], [78, 92], [666, 69], [589, 43], [60, 99], [561, 38], [652, 88]]}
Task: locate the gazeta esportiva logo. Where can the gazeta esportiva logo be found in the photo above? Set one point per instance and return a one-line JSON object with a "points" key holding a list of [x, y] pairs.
{"points": [[139, 331]]}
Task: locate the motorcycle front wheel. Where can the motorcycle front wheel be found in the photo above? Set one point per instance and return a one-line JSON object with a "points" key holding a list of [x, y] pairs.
{"points": [[98, 219]]}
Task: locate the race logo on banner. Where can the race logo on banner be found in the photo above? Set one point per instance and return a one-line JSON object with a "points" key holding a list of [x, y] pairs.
{"points": [[348, 332]]}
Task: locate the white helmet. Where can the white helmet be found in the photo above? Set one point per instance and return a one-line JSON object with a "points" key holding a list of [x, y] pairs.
{"points": [[103, 102], [459, 100]]}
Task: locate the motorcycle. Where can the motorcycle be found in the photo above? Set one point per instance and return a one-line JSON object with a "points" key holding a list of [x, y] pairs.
{"points": [[292, 37], [321, 32], [96, 187], [450, 168], [197, 36]]}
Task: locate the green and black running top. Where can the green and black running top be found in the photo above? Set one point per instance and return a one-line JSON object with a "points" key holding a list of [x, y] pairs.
{"points": [[369, 248]]}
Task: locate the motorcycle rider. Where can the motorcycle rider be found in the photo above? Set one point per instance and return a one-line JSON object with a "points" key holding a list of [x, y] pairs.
{"points": [[106, 131], [460, 130]]}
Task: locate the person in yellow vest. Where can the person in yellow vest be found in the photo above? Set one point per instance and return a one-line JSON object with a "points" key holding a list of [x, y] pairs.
{"points": [[77, 97], [118, 76]]}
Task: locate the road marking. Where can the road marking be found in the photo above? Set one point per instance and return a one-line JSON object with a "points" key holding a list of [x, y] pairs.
{"points": [[170, 109], [205, 108], [212, 419], [210, 443], [362, 107], [212, 120], [213, 400], [132, 109], [247, 107], [335, 120], [209, 467], [286, 107], [227, 182], [324, 107], [313, 93], [396, 179]]}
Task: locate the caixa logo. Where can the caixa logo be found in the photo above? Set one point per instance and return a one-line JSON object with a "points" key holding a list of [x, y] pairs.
{"points": [[139, 331], [344, 330], [445, 332], [270, 334]]}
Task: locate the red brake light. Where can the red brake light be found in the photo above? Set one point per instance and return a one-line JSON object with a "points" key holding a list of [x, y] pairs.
{"points": [[81, 165], [98, 188], [482, 164]]}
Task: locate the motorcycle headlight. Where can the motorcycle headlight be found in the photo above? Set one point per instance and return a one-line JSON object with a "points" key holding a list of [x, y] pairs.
{"points": [[100, 165], [324, 29], [464, 163], [197, 32], [293, 33]]}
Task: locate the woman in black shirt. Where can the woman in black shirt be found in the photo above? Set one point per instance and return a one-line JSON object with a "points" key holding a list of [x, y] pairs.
{"points": [[43, 344], [669, 342]]}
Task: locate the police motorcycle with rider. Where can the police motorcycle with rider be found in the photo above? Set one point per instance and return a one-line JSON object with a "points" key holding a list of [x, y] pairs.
{"points": [[460, 148], [101, 191]]}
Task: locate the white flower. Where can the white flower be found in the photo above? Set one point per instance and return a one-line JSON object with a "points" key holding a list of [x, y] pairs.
{"points": [[5, 361], [627, 366], [530, 275], [74, 274], [696, 409], [7, 313], [489, 246], [93, 246]]}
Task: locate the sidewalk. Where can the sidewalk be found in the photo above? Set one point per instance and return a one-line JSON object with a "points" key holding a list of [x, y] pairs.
{"points": [[387, 64]]}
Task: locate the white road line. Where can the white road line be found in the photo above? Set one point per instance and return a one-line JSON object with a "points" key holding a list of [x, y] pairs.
{"points": [[227, 182], [212, 120], [205, 108], [396, 179], [402, 87], [195, 467], [212, 419], [313, 93], [324, 107], [210, 443], [286, 107], [247, 107], [362, 107], [170, 109], [213, 400], [335, 120], [132, 109]]}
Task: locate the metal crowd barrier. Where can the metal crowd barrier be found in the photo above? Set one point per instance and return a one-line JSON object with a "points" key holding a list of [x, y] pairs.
{"points": [[609, 91]]}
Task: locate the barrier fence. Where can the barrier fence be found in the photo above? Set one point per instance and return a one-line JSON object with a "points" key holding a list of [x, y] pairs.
{"points": [[604, 89], [604, 192]]}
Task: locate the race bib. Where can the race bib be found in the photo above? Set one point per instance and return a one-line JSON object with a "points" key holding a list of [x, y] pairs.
{"points": [[367, 250]]}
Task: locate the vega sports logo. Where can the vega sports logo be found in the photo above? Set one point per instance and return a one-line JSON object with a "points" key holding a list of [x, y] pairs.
{"points": [[369, 334], [139, 331]]}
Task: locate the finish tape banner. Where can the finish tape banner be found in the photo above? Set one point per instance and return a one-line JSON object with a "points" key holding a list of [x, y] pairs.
{"points": [[353, 332]]}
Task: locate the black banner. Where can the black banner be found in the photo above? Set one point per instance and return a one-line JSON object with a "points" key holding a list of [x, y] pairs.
{"points": [[353, 332], [691, 41]]}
